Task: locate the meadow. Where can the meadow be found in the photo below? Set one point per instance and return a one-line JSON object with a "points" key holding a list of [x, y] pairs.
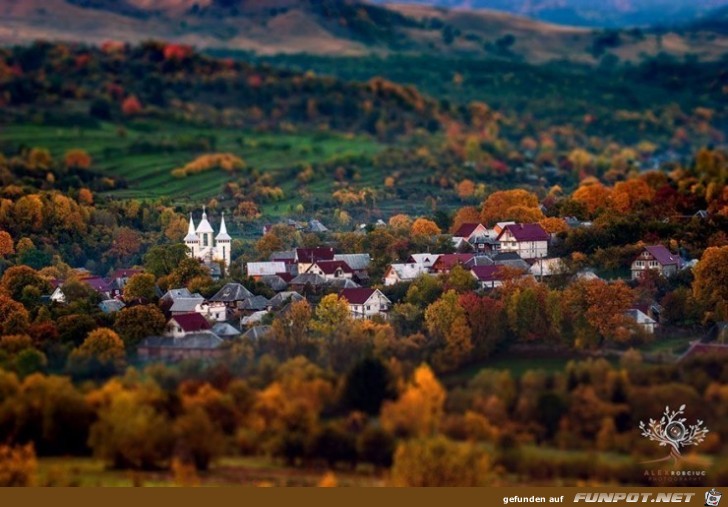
{"points": [[143, 154]]}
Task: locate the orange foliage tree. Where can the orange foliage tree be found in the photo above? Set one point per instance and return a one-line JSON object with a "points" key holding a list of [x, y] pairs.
{"points": [[516, 204], [423, 227]]}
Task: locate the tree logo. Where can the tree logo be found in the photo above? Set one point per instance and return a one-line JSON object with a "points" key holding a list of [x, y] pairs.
{"points": [[671, 431]]}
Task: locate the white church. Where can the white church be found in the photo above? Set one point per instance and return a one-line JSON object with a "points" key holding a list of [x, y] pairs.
{"points": [[202, 245]]}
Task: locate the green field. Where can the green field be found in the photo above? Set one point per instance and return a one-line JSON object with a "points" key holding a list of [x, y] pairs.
{"points": [[148, 174]]}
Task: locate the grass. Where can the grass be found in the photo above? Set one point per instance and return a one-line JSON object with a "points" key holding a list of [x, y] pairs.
{"points": [[148, 174], [228, 471]]}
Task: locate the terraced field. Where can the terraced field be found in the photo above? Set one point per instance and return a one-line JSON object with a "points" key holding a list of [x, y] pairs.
{"points": [[144, 154]]}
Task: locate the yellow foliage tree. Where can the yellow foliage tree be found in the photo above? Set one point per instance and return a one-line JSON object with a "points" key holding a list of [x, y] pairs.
{"points": [[419, 409]]}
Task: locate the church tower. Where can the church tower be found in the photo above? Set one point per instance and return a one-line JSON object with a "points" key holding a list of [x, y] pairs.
{"points": [[191, 240], [223, 241], [204, 232]]}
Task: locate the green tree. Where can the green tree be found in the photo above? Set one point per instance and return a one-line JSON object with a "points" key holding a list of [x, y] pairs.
{"points": [[140, 286], [136, 323]]}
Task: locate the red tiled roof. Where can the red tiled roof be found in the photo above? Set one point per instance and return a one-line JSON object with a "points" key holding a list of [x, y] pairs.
{"points": [[191, 322], [488, 273], [663, 255], [526, 232], [330, 267], [466, 230], [448, 261], [356, 296], [97, 283], [314, 254]]}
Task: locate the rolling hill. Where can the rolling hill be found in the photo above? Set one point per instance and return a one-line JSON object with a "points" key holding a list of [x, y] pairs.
{"points": [[590, 13], [337, 27]]}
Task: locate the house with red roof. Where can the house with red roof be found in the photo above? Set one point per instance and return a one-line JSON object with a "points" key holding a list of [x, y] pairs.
{"points": [[470, 230], [305, 257], [365, 303], [529, 241], [446, 262], [331, 270], [184, 324], [488, 277], [656, 257]]}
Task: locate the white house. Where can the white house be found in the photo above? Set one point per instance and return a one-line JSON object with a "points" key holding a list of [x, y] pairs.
{"points": [[398, 273], [647, 323], [530, 241], [214, 310], [656, 258], [180, 326], [365, 303], [260, 269], [331, 270], [547, 267]]}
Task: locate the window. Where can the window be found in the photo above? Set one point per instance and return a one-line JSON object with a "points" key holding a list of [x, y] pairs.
{"points": [[369, 307], [205, 240]]}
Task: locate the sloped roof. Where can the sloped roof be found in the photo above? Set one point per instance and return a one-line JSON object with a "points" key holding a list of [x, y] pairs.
{"points": [[254, 303], [309, 278], [408, 271], [448, 261], [223, 329], [266, 268], [97, 283], [186, 305], [330, 267], [256, 332], [357, 261], [314, 254], [191, 322], [126, 273], [231, 292], [282, 297], [487, 273], [317, 226], [177, 293], [357, 296], [111, 305], [343, 283], [427, 259], [526, 232], [465, 230], [275, 282], [663, 255]]}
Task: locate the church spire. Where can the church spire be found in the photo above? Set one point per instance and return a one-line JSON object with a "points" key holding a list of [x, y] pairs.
{"points": [[191, 234], [223, 234], [204, 226]]}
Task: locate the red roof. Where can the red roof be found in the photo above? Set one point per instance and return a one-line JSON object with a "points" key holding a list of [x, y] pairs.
{"points": [[526, 232], [466, 230], [356, 296], [191, 322], [488, 273], [330, 267], [314, 254], [97, 283], [663, 255], [447, 261]]}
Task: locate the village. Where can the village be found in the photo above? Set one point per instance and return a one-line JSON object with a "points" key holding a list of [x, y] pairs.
{"points": [[197, 326]]}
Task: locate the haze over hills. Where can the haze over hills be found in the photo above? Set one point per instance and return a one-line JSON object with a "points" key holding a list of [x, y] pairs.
{"points": [[591, 13], [339, 28]]}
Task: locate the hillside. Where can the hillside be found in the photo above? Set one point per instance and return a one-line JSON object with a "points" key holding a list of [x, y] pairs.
{"points": [[590, 13], [335, 27]]}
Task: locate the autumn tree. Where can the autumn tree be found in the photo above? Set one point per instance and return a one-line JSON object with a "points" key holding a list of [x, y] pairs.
{"points": [[140, 286], [85, 197], [14, 318], [131, 106], [400, 222], [422, 227], [438, 461], [627, 195], [593, 196], [187, 270], [126, 243], [77, 159], [198, 439], [466, 189], [448, 327], [332, 314], [102, 352], [18, 280], [6, 244], [595, 311], [136, 323], [710, 286], [466, 215], [161, 260], [419, 408], [18, 466], [516, 204]]}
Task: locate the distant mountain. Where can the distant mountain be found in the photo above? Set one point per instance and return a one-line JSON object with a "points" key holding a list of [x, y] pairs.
{"points": [[341, 28], [590, 13]]}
